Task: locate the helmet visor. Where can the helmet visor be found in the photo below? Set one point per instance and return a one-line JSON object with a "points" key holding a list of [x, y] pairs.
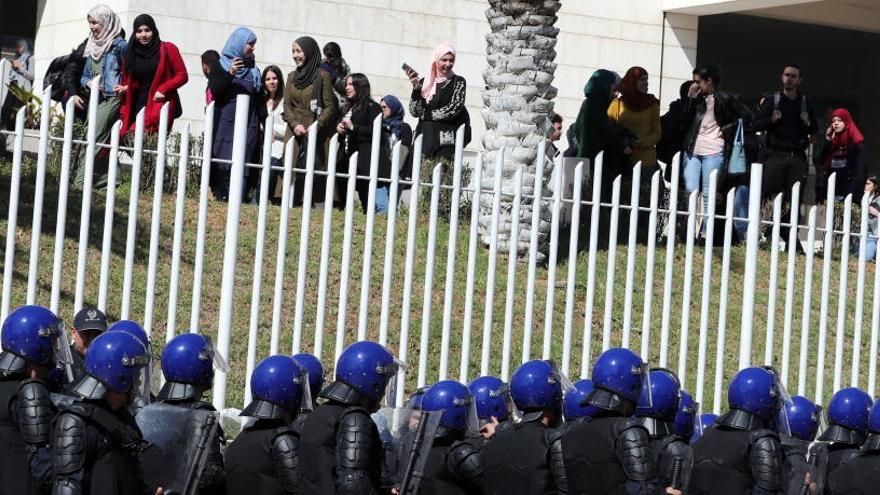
{"points": [[559, 377], [390, 372], [140, 388], [210, 352], [821, 420], [306, 404], [472, 422], [61, 350], [504, 391], [646, 395], [782, 398]]}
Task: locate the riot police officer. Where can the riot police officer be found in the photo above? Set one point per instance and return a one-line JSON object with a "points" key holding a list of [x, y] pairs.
{"points": [[188, 362], [848, 413], [658, 417], [611, 452], [312, 365], [88, 324], [345, 453], [803, 422], [134, 329], [686, 417], [861, 475], [493, 403], [31, 336], [702, 423], [574, 404], [526, 457], [95, 440], [263, 458], [740, 453], [453, 465]]}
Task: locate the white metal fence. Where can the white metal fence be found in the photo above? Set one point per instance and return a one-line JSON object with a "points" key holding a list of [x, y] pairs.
{"points": [[573, 328]]}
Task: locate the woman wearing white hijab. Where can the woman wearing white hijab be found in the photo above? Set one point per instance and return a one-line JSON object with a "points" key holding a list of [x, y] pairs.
{"points": [[103, 56]]}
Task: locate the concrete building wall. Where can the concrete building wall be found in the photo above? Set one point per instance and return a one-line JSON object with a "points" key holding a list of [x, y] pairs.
{"points": [[377, 36]]}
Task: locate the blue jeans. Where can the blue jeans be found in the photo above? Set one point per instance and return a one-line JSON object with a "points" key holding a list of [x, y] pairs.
{"points": [[741, 210], [870, 252], [382, 199], [696, 175]]}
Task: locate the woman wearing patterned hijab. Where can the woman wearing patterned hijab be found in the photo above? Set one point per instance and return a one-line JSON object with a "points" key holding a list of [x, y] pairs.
{"points": [[103, 57]]}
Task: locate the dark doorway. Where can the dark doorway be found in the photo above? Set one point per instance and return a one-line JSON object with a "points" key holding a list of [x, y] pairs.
{"points": [[840, 66], [18, 19]]}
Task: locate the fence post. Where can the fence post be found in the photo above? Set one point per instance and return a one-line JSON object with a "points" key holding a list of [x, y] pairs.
{"points": [[4, 75], [635, 192], [390, 234], [204, 184], [109, 207], [281, 254], [363, 311], [342, 313], [842, 292], [672, 221], [707, 286], [493, 257], [180, 201], [474, 238], [537, 203], [860, 292], [156, 221], [595, 208], [555, 214], [722, 304], [36, 228], [403, 349], [451, 250], [649, 268], [774, 266], [684, 329], [324, 271], [230, 249], [12, 222], [137, 160], [751, 267], [826, 287], [512, 258], [572, 266], [789, 279], [85, 214], [611, 264], [61, 218], [875, 325], [304, 231], [259, 248], [429, 276], [807, 307]]}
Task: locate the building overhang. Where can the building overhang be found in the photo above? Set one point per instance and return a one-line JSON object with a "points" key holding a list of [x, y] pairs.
{"points": [[712, 7]]}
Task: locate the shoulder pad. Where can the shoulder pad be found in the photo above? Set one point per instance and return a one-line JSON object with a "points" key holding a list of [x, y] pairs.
{"points": [[634, 450], [34, 411], [464, 460], [353, 439], [284, 450], [766, 462], [758, 434], [68, 453]]}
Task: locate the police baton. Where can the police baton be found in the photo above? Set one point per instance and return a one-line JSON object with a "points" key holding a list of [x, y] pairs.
{"points": [[409, 472], [676, 473]]}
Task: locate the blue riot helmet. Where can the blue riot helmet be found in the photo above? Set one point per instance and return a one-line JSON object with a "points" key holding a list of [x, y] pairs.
{"points": [[848, 413], [872, 444], [33, 334], [573, 405], [188, 363], [658, 407], [415, 400], [456, 403], [686, 416], [492, 397], [279, 387], [803, 417], [367, 367], [703, 422], [315, 370], [117, 362], [756, 398], [619, 376], [536, 386], [133, 328]]}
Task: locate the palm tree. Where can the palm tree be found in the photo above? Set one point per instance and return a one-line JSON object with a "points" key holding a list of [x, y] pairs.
{"points": [[517, 103]]}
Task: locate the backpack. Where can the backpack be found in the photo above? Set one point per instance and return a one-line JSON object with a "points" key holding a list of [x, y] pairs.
{"points": [[54, 74]]}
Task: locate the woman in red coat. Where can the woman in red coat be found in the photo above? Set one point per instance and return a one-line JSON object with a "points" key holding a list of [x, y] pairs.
{"points": [[152, 73]]}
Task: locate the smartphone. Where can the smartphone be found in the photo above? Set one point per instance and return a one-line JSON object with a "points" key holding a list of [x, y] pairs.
{"points": [[406, 68], [250, 63]]}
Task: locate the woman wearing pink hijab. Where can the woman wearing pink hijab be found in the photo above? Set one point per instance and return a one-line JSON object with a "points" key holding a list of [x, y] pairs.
{"points": [[438, 101]]}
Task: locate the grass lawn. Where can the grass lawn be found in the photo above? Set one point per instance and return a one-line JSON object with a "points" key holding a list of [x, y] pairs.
{"points": [[244, 277]]}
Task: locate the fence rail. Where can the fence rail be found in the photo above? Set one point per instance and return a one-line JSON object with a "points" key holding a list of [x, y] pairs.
{"points": [[606, 284]]}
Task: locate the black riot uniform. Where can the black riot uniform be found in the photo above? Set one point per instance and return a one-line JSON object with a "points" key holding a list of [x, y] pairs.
{"points": [[737, 455], [861, 475], [95, 450], [670, 449], [25, 423], [843, 447], [264, 459], [345, 453], [795, 464], [213, 477], [609, 454], [524, 458], [453, 467]]}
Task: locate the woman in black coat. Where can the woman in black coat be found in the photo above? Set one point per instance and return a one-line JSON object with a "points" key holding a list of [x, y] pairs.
{"points": [[844, 153], [356, 130], [438, 101]]}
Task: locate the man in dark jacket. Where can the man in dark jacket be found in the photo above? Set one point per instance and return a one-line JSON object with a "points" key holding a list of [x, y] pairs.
{"points": [[789, 122]]}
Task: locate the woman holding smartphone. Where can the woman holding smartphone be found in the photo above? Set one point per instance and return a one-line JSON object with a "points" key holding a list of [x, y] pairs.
{"points": [[234, 74], [438, 101]]}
